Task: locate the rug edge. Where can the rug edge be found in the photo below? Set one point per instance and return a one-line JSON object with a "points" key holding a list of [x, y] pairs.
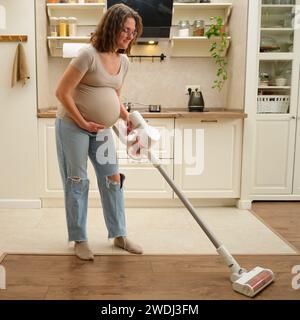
{"points": [[297, 251]]}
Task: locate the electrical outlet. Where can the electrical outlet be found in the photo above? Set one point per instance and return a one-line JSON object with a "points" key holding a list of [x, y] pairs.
{"points": [[193, 87]]}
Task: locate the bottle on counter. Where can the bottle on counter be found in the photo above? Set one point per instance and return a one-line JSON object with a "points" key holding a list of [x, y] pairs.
{"points": [[72, 26], [63, 22]]}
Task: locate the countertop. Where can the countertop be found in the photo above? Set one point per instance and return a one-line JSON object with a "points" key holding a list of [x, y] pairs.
{"points": [[208, 114]]}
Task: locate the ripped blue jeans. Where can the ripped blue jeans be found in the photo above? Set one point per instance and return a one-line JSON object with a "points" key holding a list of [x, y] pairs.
{"points": [[74, 146]]}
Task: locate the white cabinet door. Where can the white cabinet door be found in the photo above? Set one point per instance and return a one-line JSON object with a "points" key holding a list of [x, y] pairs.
{"points": [[142, 179], [296, 188], [49, 177], [210, 165], [274, 155]]}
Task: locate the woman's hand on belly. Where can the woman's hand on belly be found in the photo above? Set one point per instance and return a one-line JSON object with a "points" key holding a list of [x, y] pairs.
{"points": [[92, 126]]}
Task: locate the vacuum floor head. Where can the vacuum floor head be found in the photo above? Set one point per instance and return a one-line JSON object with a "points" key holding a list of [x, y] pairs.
{"points": [[252, 282]]}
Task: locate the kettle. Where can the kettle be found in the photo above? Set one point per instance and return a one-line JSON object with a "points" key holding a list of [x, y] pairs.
{"points": [[196, 102]]}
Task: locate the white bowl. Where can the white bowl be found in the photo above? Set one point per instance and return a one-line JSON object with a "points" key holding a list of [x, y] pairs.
{"points": [[280, 82]]}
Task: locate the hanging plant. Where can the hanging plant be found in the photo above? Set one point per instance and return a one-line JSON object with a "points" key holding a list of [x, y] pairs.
{"points": [[217, 49]]}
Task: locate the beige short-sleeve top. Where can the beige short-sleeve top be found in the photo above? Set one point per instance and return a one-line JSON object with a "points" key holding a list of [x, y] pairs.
{"points": [[95, 96]]}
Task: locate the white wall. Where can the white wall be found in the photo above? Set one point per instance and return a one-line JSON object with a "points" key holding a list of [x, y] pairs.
{"points": [[18, 105], [237, 55]]}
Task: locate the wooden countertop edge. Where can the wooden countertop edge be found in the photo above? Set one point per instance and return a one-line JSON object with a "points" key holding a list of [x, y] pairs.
{"points": [[176, 114]]}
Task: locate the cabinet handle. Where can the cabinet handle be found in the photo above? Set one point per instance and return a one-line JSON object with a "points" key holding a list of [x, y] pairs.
{"points": [[212, 121], [293, 117]]}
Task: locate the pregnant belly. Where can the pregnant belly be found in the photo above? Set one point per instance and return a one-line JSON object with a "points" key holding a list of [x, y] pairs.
{"points": [[99, 104]]}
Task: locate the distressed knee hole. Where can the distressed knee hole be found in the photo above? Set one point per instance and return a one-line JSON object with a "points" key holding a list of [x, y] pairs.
{"points": [[115, 179], [75, 179]]}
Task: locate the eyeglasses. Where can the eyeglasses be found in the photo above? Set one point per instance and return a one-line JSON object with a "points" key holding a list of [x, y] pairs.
{"points": [[130, 33]]}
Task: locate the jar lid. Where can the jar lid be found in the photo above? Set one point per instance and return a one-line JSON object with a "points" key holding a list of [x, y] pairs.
{"points": [[63, 18], [72, 19], [199, 23], [53, 20], [184, 23]]}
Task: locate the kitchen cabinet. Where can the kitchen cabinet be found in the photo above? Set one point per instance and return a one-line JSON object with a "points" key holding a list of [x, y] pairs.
{"points": [[192, 46], [207, 157], [219, 171], [87, 15], [271, 149], [142, 179]]}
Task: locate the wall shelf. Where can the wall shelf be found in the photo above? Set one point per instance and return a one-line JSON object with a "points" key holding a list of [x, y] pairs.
{"points": [[13, 38], [55, 44], [193, 46], [196, 46], [276, 56], [276, 6], [87, 14], [274, 87], [204, 11]]}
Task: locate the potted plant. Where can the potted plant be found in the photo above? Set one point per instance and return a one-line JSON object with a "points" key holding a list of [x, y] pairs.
{"points": [[217, 49]]}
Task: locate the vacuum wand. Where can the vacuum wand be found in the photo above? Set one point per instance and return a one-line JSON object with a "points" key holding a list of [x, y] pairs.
{"points": [[235, 268]]}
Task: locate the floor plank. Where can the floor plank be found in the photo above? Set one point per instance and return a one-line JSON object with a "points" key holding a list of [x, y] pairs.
{"points": [[153, 277]]}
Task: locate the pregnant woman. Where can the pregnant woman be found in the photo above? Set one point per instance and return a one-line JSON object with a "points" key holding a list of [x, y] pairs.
{"points": [[89, 92]]}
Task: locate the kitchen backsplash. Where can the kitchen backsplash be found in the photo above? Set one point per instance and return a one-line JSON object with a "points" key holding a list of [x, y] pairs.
{"points": [[158, 82]]}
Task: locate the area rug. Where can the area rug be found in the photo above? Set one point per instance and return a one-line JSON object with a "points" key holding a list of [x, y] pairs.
{"points": [[160, 231]]}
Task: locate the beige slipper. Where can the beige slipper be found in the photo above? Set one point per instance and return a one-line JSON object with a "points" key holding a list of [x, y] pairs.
{"points": [[83, 251], [126, 244]]}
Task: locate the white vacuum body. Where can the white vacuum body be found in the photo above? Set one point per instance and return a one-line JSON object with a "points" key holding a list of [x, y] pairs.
{"points": [[142, 138], [252, 282]]}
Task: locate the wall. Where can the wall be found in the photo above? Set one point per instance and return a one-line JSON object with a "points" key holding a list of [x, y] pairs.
{"points": [[237, 54], [160, 82], [18, 122]]}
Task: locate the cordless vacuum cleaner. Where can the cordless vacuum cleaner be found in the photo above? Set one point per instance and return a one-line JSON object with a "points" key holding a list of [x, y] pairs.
{"points": [[140, 140]]}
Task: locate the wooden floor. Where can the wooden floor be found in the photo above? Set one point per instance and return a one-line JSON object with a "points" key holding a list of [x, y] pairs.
{"points": [[153, 277]]}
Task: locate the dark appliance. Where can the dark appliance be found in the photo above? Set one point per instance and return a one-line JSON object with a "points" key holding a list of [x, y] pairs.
{"points": [[156, 16], [196, 102]]}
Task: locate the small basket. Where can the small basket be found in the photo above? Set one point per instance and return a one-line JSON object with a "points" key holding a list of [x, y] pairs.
{"points": [[273, 104]]}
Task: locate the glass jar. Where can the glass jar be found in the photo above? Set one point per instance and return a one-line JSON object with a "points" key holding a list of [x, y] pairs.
{"points": [[198, 28], [63, 22], [72, 26], [54, 26], [183, 28]]}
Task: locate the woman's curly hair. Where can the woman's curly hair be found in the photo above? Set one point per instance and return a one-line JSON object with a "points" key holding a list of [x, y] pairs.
{"points": [[111, 25]]}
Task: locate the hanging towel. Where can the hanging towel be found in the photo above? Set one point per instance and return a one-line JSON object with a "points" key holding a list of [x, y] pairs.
{"points": [[20, 68]]}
